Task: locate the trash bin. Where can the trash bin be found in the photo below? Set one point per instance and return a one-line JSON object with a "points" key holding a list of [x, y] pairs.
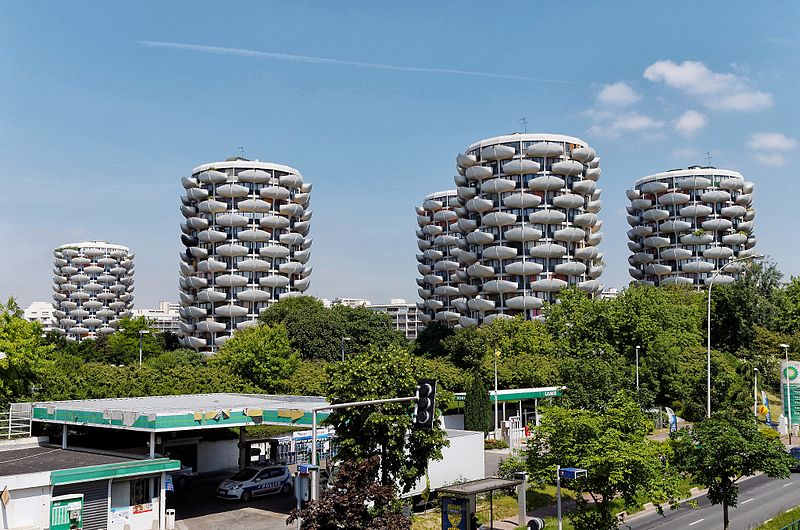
{"points": [[169, 522]]}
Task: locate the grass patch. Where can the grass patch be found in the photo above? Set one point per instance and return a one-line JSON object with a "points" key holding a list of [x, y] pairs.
{"points": [[781, 521]]}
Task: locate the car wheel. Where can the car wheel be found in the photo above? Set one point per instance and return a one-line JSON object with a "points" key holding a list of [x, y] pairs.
{"points": [[286, 489], [246, 496]]}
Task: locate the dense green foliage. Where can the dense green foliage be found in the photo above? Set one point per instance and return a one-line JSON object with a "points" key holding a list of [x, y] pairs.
{"points": [[317, 332], [23, 352], [477, 406], [721, 450], [260, 354], [611, 445], [384, 429]]}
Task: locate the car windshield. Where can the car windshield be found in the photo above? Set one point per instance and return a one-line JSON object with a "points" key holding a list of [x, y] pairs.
{"points": [[244, 475]]}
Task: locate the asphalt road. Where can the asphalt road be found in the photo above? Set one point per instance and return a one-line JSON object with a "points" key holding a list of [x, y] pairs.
{"points": [[198, 508], [760, 498]]}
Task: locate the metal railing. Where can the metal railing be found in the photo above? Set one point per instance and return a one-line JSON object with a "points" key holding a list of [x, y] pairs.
{"points": [[16, 423], [792, 526]]}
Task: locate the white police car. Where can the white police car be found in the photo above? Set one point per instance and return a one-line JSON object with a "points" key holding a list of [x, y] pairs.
{"points": [[252, 481]]}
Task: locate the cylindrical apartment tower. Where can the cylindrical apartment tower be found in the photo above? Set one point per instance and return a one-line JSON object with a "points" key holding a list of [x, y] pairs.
{"points": [[689, 223], [440, 241], [93, 288], [529, 215], [247, 245]]}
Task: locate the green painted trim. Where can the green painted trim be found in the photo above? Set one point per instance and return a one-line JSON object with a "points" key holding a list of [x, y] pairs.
{"points": [[517, 396], [170, 422], [108, 471]]}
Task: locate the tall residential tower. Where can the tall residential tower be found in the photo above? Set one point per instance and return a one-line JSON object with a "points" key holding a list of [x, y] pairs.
{"points": [[529, 218], [93, 288], [689, 223], [247, 246], [439, 241]]}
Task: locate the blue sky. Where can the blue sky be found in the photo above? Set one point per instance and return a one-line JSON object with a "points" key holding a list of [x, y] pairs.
{"points": [[105, 105]]}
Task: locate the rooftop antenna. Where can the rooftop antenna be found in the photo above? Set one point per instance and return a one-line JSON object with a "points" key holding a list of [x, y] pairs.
{"points": [[241, 151], [524, 122], [708, 158]]}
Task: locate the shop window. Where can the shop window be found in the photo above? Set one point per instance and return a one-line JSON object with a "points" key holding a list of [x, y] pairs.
{"points": [[140, 491]]}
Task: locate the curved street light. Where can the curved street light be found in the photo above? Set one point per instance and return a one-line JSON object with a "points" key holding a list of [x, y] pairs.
{"points": [[708, 331]]}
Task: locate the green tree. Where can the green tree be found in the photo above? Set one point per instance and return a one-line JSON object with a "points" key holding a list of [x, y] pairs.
{"points": [[429, 340], [721, 450], [738, 308], [260, 354], [316, 331], [383, 430], [310, 378], [23, 352], [612, 445], [355, 501], [477, 406]]}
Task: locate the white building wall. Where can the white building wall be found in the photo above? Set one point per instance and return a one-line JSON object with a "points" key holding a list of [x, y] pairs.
{"points": [[30, 499], [217, 455]]}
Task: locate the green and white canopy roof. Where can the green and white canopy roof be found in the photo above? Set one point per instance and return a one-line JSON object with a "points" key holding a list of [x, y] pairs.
{"points": [[521, 394], [182, 412]]}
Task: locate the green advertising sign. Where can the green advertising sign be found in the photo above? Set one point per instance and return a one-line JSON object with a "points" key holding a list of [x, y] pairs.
{"points": [[66, 513]]}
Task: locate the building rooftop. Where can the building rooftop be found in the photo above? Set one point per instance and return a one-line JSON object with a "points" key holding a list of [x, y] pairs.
{"points": [[50, 458], [181, 412]]}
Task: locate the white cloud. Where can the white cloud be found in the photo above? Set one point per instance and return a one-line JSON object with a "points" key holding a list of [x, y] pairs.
{"points": [[772, 141], [618, 94], [718, 91], [772, 159], [770, 147], [690, 122], [612, 124]]}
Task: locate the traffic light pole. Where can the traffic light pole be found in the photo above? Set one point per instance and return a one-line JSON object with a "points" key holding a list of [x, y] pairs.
{"points": [[315, 475]]}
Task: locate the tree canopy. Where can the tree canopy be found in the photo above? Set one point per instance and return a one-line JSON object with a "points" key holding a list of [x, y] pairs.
{"points": [[317, 332], [721, 450], [384, 430], [611, 445]]}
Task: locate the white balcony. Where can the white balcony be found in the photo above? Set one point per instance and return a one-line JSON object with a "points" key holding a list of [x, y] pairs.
{"points": [[522, 200], [546, 183], [545, 149]]}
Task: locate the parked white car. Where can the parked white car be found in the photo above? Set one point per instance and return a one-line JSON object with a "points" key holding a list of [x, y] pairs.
{"points": [[252, 482]]}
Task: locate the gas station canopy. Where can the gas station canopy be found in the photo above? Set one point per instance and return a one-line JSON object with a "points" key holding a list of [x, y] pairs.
{"points": [[181, 412], [521, 394]]}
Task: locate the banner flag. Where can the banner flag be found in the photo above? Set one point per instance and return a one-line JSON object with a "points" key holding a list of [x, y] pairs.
{"points": [[765, 408], [672, 418]]}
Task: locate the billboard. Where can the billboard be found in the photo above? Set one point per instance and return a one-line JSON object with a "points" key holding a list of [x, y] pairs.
{"points": [[791, 372]]}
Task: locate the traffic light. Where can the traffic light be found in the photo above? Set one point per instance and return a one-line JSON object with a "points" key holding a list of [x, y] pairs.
{"points": [[425, 411]]}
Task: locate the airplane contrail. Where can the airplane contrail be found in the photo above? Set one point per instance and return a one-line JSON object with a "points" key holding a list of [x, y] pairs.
{"points": [[241, 52]]}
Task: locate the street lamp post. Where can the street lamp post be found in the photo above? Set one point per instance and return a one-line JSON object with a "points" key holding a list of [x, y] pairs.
{"points": [[142, 333], [708, 323], [344, 339], [755, 395], [788, 394], [496, 355], [637, 370]]}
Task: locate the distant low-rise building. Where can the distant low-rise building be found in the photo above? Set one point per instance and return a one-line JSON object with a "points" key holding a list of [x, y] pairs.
{"points": [[404, 316], [166, 318], [351, 302], [41, 312], [609, 294]]}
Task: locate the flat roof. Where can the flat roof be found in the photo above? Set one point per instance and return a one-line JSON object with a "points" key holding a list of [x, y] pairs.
{"points": [[51, 458], [520, 394], [690, 172], [525, 137], [182, 412], [474, 487]]}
